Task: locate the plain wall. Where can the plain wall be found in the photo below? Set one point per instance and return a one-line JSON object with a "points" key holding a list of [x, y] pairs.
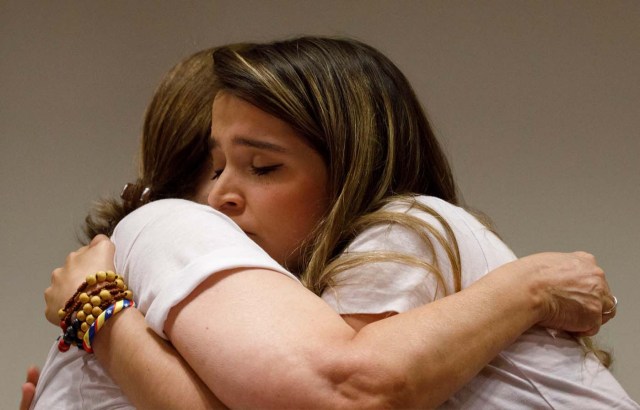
{"points": [[536, 102]]}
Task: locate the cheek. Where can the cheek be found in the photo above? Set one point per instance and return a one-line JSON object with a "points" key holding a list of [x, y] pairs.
{"points": [[304, 210], [293, 214]]}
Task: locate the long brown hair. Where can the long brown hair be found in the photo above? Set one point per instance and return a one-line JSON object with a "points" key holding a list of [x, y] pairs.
{"points": [[174, 150], [358, 110]]}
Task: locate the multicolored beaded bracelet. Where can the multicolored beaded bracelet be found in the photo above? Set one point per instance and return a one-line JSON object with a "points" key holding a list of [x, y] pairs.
{"points": [[97, 325], [93, 297]]}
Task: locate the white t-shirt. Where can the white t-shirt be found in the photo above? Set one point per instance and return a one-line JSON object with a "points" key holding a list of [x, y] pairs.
{"points": [[164, 250], [537, 371]]}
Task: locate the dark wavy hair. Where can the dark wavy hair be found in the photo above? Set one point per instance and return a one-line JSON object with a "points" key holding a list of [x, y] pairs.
{"points": [[175, 145]]}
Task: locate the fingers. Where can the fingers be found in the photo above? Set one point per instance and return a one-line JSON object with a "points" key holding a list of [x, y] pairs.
{"points": [[28, 392], [96, 256], [74, 254], [101, 245], [609, 301], [609, 308], [95, 241], [29, 388], [54, 274], [33, 374], [581, 300], [612, 307], [586, 255], [50, 311], [591, 332]]}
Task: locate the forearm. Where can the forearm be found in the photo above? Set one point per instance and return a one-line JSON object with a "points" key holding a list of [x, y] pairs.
{"points": [[453, 338], [449, 341], [148, 369], [279, 337], [267, 342]]}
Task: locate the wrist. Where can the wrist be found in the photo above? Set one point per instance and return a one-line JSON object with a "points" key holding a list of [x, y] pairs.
{"points": [[520, 288], [101, 296], [124, 329], [102, 320], [111, 328], [532, 276]]}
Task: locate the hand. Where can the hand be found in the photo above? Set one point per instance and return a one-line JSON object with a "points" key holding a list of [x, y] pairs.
{"points": [[29, 387], [96, 256], [574, 290]]}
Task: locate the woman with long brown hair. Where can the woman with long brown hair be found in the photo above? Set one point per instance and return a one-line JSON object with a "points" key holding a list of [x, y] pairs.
{"points": [[175, 159]]}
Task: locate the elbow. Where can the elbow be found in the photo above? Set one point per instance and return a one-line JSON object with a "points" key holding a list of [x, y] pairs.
{"points": [[364, 381]]}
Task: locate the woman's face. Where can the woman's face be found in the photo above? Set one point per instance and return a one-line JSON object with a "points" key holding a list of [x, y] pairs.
{"points": [[266, 178]]}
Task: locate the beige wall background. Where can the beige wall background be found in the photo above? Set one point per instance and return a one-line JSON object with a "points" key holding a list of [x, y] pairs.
{"points": [[536, 102]]}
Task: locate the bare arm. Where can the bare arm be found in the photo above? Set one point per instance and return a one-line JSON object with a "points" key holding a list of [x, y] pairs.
{"points": [[417, 358], [148, 370], [259, 339]]}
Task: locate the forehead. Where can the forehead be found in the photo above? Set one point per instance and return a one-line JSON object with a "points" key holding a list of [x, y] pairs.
{"points": [[242, 123], [251, 143]]}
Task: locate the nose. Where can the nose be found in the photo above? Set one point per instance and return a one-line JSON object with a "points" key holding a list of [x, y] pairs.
{"points": [[225, 196]]}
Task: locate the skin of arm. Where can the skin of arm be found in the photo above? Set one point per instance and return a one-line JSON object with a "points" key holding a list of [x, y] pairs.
{"points": [[259, 339], [141, 367], [150, 358], [337, 367]]}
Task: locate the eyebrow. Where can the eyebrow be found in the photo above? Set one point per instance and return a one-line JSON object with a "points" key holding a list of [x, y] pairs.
{"points": [[252, 143]]}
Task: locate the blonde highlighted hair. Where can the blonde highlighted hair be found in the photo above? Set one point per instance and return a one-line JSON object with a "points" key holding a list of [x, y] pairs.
{"points": [[356, 108]]}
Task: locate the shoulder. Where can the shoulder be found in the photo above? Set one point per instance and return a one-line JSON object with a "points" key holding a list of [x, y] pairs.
{"points": [[438, 204], [435, 211], [163, 207], [168, 215], [420, 205], [418, 215]]}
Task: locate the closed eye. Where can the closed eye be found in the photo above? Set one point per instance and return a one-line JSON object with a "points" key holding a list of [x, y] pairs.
{"points": [[264, 170], [217, 173]]}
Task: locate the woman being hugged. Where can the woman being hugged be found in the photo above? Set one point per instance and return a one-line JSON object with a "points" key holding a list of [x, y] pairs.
{"points": [[316, 143], [175, 158]]}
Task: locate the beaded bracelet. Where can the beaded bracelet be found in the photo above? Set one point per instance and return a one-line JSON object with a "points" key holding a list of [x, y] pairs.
{"points": [[82, 309], [99, 322], [101, 280]]}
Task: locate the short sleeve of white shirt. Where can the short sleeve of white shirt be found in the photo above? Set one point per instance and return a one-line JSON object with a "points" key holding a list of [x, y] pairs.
{"points": [[380, 287], [167, 248]]}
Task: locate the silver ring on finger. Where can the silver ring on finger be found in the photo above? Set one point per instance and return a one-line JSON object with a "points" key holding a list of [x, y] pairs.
{"points": [[613, 308]]}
